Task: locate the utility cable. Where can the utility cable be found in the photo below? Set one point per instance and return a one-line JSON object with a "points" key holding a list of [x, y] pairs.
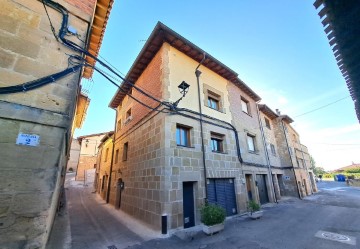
{"points": [[51, 25], [321, 107], [39, 82]]}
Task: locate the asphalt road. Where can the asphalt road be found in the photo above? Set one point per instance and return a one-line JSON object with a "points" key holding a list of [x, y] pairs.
{"points": [[332, 213]]}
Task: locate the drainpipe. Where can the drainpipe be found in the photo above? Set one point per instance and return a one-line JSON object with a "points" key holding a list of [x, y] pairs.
{"points": [[112, 160], [197, 73], [266, 152], [287, 144]]}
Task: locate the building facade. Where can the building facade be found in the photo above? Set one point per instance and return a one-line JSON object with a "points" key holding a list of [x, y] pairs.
{"points": [[172, 152], [40, 106], [88, 154]]}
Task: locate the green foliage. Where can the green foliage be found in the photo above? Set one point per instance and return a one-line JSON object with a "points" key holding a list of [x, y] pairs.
{"points": [[319, 171], [331, 175], [354, 170], [253, 206], [212, 214]]}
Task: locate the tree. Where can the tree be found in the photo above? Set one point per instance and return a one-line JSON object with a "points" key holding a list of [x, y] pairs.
{"points": [[317, 170]]}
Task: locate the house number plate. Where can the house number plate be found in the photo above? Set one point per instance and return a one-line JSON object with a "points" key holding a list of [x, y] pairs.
{"points": [[28, 139]]}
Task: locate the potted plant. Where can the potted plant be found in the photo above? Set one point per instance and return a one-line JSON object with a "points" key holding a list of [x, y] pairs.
{"points": [[254, 208], [213, 217]]}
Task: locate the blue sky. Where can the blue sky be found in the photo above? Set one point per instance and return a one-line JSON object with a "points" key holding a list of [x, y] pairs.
{"points": [[278, 48]]}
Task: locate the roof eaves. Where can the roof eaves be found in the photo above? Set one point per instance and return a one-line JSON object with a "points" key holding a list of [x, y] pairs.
{"points": [[98, 27]]}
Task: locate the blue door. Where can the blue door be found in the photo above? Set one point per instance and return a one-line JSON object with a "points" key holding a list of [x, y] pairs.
{"points": [[188, 204], [221, 191]]}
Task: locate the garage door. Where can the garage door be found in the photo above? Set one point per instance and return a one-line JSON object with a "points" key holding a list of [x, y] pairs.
{"points": [[221, 191]]}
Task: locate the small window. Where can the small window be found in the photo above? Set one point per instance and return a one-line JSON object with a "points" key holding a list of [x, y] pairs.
{"points": [[272, 147], [245, 106], [217, 142], [182, 135], [119, 125], [214, 101], [267, 123], [128, 114], [251, 143], [116, 155], [125, 151], [106, 154]]}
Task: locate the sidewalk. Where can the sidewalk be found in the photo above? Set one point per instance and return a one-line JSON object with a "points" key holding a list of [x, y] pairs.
{"points": [[86, 221]]}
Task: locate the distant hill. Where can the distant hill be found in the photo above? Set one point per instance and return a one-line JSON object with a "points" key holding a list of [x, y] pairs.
{"points": [[352, 166]]}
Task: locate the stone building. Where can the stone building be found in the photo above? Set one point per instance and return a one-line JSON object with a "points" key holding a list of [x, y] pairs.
{"points": [[103, 166], [40, 106], [88, 153], [73, 156], [172, 152]]}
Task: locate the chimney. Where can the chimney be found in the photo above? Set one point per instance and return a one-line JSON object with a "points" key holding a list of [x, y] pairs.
{"points": [[277, 112]]}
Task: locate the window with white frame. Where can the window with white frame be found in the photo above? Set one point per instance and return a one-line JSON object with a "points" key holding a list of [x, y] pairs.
{"points": [[251, 142], [245, 106]]}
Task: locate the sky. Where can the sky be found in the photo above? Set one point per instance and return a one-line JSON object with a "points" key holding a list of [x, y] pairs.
{"points": [[278, 48]]}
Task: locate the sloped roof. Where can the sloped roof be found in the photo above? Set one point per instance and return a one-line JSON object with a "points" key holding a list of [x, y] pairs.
{"points": [[162, 34], [98, 27], [341, 21], [267, 111]]}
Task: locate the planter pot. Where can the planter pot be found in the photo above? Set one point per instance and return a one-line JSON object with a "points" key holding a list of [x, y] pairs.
{"points": [[256, 215], [210, 230]]}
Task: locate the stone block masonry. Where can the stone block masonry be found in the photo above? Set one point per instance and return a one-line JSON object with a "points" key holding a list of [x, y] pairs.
{"points": [[31, 176]]}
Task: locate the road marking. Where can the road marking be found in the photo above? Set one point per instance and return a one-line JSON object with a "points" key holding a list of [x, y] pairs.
{"points": [[336, 237]]}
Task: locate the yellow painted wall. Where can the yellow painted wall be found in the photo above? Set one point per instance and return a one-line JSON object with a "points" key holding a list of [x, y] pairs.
{"points": [[182, 68]]}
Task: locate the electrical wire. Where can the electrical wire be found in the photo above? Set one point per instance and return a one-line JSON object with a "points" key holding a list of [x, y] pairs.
{"points": [[39, 82], [51, 25], [321, 107]]}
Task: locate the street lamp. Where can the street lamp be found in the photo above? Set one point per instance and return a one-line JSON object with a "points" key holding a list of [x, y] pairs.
{"points": [[183, 89]]}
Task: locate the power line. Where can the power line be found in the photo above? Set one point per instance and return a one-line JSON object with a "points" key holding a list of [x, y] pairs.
{"points": [[321, 107]]}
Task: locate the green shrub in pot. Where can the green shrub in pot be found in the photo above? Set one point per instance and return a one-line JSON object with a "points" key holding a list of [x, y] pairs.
{"points": [[212, 214]]}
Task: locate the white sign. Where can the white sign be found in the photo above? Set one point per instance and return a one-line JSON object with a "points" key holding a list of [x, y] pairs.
{"points": [[28, 139]]}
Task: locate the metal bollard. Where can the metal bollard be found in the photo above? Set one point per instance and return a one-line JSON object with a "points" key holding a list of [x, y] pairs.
{"points": [[164, 224]]}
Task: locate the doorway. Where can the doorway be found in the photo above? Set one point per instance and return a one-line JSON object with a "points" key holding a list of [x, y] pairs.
{"points": [[261, 184], [221, 191], [281, 185], [188, 204], [248, 186]]}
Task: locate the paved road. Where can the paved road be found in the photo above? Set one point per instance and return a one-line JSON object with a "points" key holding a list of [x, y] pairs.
{"points": [[292, 224], [92, 226], [334, 212]]}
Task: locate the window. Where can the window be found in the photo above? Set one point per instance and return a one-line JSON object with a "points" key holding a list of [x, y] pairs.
{"points": [[214, 101], [267, 123], [128, 114], [106, 154], [251, 143], [217, 142], [245, 106], [119, 125], [272, 147], [182, 135], [125, 151], [116, 155]]}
